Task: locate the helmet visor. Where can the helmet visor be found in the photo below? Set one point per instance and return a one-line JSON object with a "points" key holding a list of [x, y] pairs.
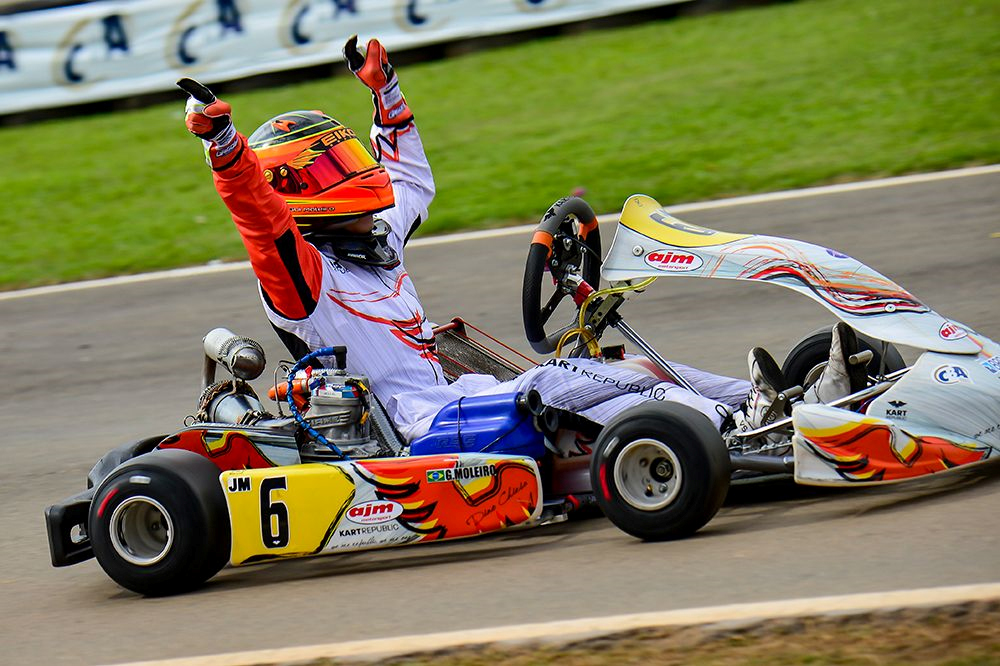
{"points": [[333, 166]]}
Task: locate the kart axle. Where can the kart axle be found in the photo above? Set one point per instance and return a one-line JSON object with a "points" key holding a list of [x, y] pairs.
{"points": [[756, 462]]}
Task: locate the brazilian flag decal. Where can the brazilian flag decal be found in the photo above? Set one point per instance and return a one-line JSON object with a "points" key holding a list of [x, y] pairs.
{"points": [[437, 475]]}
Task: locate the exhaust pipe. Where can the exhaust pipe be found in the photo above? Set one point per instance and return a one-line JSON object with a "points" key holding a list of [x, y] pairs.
{"points": [[242, 357]]}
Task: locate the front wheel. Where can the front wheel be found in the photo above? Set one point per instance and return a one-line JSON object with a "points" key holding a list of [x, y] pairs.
{"points": [[159, 523], [660, 471]]}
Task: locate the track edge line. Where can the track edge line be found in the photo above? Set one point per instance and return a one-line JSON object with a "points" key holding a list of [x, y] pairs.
{"points": [[567, 630]]}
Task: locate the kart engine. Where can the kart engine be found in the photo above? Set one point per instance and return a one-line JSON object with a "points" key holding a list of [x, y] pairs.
{"points": [[339, 410], [339, 404]]}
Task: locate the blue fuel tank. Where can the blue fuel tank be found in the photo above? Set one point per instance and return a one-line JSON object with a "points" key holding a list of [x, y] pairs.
{"points": [[483, 424]]}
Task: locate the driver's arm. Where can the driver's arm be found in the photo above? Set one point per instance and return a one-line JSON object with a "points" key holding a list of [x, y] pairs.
{"points": [[401, 152], [394, 137], [289, 269]]}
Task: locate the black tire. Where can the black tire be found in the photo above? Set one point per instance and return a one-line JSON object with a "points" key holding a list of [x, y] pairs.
{"points": [[573, 221], [115, 457], [689, 478], [159, 524], [804, 361]]}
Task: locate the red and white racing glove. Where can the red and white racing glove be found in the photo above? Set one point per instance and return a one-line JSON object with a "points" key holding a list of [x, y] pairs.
{"points": [[211, 120], [373, 69]]}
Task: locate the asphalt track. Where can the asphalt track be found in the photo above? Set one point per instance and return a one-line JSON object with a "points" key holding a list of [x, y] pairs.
{"points": [[86, 370]]}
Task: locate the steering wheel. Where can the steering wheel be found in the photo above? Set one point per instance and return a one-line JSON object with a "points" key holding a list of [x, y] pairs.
{"points": [[567, 243]]}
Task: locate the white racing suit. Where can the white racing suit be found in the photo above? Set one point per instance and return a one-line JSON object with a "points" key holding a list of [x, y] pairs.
{"points": [[591, 388], [315, 300]]}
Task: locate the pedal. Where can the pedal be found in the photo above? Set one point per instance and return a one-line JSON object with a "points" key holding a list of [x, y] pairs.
{"points": [[779, 408], [774, 412], [791, 394], [863, 357]]}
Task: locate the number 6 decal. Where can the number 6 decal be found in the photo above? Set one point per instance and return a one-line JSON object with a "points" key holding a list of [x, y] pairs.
{"points": [[273, 515]]}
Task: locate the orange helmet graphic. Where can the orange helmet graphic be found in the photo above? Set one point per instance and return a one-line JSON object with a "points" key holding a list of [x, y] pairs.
{"points": [[320, 168]]}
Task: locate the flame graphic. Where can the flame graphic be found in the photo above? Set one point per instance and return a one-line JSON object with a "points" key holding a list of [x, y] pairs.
{"points": [[876, 452], [843, 292], [306, 157], [233, 450], [440, 510]]}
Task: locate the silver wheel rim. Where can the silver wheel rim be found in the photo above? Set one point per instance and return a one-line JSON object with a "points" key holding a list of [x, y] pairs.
{"points": [[648, 474], [141, 531]]}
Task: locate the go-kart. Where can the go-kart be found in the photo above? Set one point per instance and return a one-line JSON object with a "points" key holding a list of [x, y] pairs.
{"points": [[662, 471], [239, 485]]}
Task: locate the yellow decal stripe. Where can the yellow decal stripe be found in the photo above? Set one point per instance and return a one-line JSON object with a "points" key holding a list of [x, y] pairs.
{"points": [[646, 216], [284, 511]]}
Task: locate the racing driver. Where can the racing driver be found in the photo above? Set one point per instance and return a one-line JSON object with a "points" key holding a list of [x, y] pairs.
{"points": [[325, 225]]}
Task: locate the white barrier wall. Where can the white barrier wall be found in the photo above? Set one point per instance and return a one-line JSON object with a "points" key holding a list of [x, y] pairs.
{"points": [[113, 49]]}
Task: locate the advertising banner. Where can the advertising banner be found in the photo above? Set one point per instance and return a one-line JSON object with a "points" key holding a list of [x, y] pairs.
{"points": [[115, 49]]}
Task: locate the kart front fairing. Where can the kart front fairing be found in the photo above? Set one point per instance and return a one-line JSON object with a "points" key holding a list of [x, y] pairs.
{"points": [[943, 413], [649, 242]]}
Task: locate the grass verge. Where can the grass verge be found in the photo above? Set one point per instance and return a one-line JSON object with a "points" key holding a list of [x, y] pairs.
{"points": [[963, 635], [782, 96]]}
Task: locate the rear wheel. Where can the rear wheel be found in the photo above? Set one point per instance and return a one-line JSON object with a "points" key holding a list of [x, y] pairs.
{"points": [[660, 471], [806, 360], [159, 523]]}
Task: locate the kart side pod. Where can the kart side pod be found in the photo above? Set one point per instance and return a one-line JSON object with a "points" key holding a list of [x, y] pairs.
{"points": [[167, 521]]}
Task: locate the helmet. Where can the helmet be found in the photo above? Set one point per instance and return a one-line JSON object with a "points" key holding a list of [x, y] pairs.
{"points": [[321, 169]]}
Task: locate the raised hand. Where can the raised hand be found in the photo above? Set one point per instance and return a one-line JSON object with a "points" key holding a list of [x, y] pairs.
{"points": [[373, 69]]}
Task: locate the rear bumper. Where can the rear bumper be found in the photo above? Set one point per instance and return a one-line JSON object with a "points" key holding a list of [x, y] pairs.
{"points": [[66, 525]]}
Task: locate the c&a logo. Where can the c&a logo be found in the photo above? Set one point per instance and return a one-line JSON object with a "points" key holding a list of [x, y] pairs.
{"points": [[951, 374], [202, 32], [88, 50], [311, 25]]}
